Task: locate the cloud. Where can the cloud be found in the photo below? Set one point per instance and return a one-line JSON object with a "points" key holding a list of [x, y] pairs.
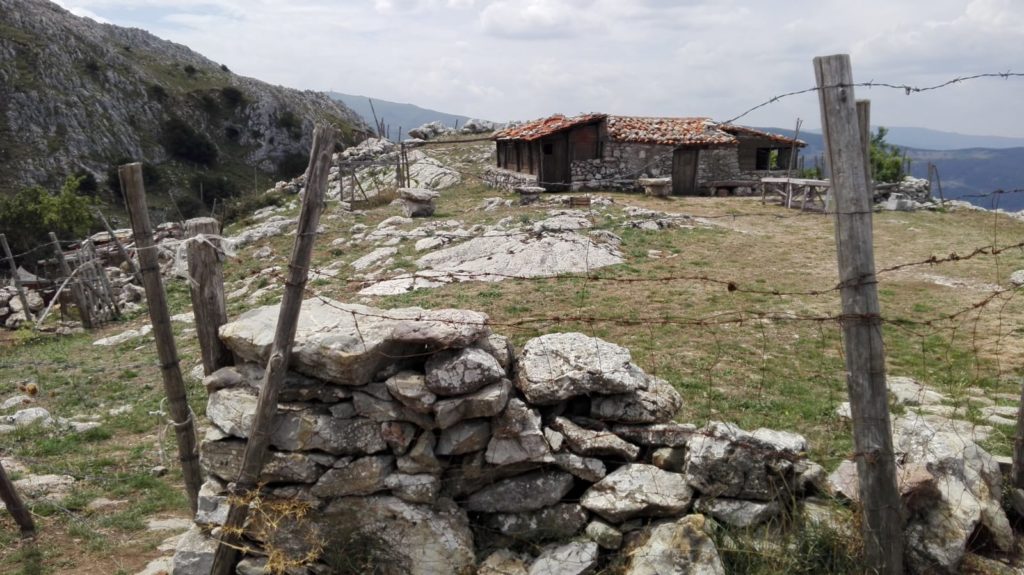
{"points": [[529, 19]]}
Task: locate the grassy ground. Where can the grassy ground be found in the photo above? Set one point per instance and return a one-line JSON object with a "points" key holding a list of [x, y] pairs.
{"points": [[736, 314]]}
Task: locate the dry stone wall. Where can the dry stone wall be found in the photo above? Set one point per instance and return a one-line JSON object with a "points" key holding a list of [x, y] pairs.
{"points": [[422, 442]]}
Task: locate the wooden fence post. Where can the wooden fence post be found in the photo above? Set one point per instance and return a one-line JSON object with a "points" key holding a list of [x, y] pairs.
{"points": [[15, 278], [861, 319], [277, 365], [170, 368], [101, 275], [84, 309], [10, 498], [120, 247], [206, 285]]}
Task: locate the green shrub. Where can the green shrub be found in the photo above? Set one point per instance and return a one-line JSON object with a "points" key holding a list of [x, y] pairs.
{"points": [[232, 96], [886, 158], [156, 92], [29, 216], [152, 177], [185, 143], [292, 165], [243, 206], [287, 120], [190, 70], [210, 187]]}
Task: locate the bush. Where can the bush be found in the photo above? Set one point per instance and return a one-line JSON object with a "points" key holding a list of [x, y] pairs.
{"points": [[184, 143], [886, 159], [243, 206], [156, 92], [232, 96], [288, 121], [190, 70], [152, 178], [29, 216], [292, 165], [210, 187]]}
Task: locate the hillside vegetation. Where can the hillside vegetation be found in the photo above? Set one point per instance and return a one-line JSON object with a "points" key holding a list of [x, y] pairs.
{"points": [[79, 98]]}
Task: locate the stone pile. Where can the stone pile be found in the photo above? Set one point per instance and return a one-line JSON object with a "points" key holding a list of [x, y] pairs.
{"points": [[423, 443], [11, 308], [429, 131]]}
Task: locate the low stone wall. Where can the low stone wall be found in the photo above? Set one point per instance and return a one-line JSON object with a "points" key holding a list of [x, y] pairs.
{"points": [[507, 180], [419, 442]]}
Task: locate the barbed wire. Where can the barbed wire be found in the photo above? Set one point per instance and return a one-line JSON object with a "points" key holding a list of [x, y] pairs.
{"points": [[907, 88]]}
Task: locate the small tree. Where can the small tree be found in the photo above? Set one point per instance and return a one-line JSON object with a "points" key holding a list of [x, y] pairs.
{"points": [[28, 216], [886, 158]]}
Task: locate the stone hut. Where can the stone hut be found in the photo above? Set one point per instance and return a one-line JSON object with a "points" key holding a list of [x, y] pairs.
{"points": [[606, 151]]}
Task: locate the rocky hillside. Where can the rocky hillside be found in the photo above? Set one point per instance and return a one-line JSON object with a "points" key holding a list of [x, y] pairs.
{"points": [[77, 96]]}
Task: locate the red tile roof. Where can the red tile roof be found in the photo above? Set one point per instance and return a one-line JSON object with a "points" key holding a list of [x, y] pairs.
{"points": [[537, 129], [640, 130], [734, 129], [669, 131]]}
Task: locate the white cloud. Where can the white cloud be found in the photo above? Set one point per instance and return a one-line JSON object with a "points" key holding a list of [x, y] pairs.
{"points": [[504, 59], [529, 19]]}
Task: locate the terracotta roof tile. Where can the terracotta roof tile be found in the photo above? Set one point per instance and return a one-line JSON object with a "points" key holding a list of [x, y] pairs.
{"points": [[537, 129], [669, 131], [640, 130]]}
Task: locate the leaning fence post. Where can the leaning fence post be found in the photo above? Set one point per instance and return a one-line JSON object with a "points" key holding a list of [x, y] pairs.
{"points": [[170, 368], [861, 319], [120, 247], [206, 285], [10, 498], [15, 278], [84, 309], [287, 322]]}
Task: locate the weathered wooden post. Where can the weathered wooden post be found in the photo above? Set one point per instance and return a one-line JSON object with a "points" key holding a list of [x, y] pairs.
{"points": [[206, 285], [10, 498], [120, 247], [861, 319], [84, 309], [15, 279], [287, 321], [170, 368], [101, 275]]}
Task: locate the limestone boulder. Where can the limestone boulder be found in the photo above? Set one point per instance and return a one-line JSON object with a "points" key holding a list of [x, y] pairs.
{"points": [[558, 522], [419, 488], [224, 458], [594, 442], [555, 367], [575, 558], [194, 553], [362, 476], [348, 344], [410, 388], [458, 372], [487, 402], [517, 436], [522, 493], [638, 490], [464, 437], [722, 460], [656, 435], [969, 483], [657, 404], [408, 538], [504, 562], [738, 512], [681, 547]]}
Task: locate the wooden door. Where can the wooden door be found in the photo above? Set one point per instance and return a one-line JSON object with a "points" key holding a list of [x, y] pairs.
{"points": [[554, 172], [684, 171]]}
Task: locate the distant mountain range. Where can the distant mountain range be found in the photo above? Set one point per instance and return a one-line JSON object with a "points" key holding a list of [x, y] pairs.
{"points": [[396, 116], [967, 165]]}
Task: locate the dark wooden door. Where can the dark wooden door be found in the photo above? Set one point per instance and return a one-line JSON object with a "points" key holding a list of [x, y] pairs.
{"points": [[684, 172], [554, 173]]}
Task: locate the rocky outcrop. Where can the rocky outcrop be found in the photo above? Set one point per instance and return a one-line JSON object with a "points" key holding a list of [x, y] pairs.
{"points": [[79, 95]]}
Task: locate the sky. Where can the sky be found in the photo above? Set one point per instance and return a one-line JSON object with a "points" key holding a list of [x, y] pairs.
{"points": [[522, 59]]}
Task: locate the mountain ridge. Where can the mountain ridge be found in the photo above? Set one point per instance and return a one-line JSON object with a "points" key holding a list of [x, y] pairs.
{"points": [[77, 96]]}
